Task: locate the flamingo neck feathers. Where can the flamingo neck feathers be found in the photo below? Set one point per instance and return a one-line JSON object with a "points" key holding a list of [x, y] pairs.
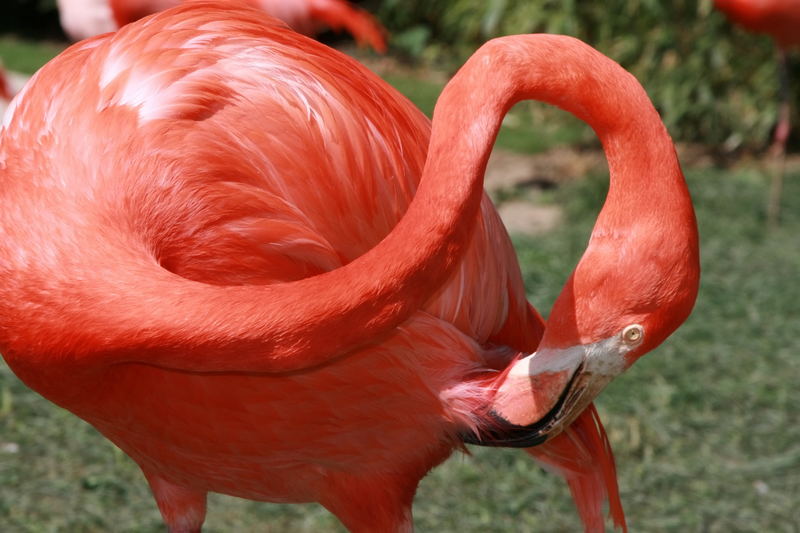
{"points": [[643, 252], [646, 229]]}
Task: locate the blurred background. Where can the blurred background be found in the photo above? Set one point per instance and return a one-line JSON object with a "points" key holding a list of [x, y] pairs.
{"points": [[706, 428]]}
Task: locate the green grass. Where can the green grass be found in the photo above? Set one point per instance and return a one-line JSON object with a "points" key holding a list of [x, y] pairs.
{"points": [[705, 428]]}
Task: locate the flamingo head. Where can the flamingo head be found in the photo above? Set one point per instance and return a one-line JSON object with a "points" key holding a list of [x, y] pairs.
{"points": [[620, 302]]}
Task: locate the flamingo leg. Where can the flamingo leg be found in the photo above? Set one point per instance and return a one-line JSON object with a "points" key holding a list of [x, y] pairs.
{"points": [[778, 148], [784, 107], [182, 509]]}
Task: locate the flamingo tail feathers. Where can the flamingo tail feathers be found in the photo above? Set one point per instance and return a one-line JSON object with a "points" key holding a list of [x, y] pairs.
{"points": [[338, 14], [582, 455]]}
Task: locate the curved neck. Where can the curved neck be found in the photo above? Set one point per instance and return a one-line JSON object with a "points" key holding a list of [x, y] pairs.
{"points": [[420, 252], [561, 71], [312, 320]]}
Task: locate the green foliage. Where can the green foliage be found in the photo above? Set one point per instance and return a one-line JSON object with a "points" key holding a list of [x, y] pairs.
{"points": [[27, 56], [712, 82]]}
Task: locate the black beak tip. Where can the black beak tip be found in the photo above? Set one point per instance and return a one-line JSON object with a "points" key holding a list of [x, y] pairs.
{"points": [[504, 434], [499, 432]]}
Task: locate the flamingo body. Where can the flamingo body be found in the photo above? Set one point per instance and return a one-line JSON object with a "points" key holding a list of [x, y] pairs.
{"points": [[779, 19], [259, 272]]}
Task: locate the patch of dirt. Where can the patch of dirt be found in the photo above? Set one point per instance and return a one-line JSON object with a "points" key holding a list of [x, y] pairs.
{"points": [[523, 217], [515, 180], [510, 170]]}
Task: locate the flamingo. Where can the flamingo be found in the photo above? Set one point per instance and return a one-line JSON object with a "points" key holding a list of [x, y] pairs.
{"points": [[5, 87], [261, 271], [780, 19], [82, 19]]}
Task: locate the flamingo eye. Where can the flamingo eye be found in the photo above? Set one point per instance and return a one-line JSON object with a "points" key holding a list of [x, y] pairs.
{"points": [[633, 334]]}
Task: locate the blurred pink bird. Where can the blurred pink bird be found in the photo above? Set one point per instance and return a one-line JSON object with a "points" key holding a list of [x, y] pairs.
{"points": [[82, 19], [780, 19], [5, 87]]}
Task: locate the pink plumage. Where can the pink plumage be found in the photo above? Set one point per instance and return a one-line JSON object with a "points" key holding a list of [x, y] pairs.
{"points": [[259, 271]]}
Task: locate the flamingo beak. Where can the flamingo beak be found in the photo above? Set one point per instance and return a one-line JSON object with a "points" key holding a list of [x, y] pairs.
{"points": [[545, 392]]}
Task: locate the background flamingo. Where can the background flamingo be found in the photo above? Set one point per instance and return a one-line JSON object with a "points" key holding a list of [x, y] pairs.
{"points": [[263, 310], [85, 18], [5, 90], [780, 19]]}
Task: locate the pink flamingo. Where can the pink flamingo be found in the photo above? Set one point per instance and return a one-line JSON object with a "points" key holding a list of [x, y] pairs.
{"points": [[780, 19], [5, 88], [259, 271], [5, 92], [82, 19]]}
